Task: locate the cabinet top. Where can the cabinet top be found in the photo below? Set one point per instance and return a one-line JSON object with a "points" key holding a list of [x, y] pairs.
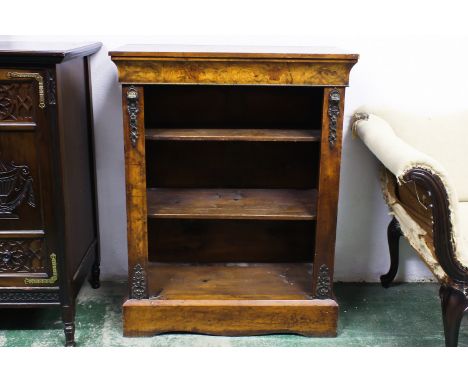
{"points": [[44, 52], [231, 51], [232, 65]]}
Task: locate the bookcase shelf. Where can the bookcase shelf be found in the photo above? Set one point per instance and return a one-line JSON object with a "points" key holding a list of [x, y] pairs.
{"points": [[239, 135], [232, 172], [222, 203], [230, 281]]}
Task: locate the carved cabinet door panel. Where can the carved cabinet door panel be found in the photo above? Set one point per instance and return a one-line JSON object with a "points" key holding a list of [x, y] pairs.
{"points": [[24, 175]]}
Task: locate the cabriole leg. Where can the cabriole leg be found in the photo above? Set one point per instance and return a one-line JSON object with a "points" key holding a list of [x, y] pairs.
{"points": [[393, 235], [454, 304]]}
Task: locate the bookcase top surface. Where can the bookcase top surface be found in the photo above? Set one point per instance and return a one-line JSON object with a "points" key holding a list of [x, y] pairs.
{"points": [[231, 51]]}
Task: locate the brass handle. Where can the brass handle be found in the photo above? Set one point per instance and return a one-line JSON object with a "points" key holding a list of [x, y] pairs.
{"points": [[40, 83]]}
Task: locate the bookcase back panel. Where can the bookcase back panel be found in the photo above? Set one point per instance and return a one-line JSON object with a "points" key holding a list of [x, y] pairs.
{"points": [[232, 164], [233, 106], [179, 240]]}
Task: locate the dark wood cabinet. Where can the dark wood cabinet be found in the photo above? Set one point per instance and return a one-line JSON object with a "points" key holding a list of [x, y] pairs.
{"points": [[48, 211], [232, 173]]}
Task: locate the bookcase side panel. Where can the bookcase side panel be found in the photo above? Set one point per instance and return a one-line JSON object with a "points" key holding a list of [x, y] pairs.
{"points": [[329, 179], [135, 180]]}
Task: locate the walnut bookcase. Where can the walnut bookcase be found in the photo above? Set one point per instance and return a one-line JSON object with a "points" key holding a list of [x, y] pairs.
{"points": [[232, 171]]}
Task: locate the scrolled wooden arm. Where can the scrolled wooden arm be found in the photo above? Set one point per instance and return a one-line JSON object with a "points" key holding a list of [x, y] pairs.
{"points": [[442, 225]]}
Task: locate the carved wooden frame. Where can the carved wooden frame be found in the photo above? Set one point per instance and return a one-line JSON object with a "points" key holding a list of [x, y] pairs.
{"points": [[442, 226]]}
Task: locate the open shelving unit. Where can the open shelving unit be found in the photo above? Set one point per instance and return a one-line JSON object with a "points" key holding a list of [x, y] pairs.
{"points": [[206, 179], [232, 168]]}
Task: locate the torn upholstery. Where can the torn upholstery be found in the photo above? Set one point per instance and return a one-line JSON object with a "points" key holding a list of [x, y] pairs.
{"points": [[403, 142]]}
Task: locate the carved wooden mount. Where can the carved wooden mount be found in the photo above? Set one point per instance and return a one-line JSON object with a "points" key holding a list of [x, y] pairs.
{"points": [[133, 109], [323, 290], [333, 113], [15, 187], [15, 101], [7, 297], [138, 287], [21, 256], [442, 227]]}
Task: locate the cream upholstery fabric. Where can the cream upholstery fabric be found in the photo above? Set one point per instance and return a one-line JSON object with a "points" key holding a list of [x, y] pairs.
{"points": [[443, 138], [401, 142]]}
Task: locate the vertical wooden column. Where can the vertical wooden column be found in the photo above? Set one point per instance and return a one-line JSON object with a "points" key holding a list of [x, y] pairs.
{"points": [[329, 178], [135, 174]]}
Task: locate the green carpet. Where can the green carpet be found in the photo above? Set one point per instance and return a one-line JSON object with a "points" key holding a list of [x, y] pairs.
{"points": [[404, 315]]}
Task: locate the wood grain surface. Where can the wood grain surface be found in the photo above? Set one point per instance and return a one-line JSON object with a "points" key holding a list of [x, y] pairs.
{"points": [[329, 181], [147, 51], [230, 281], [269, 204], [230, 317], [135, 181], [240, 135], [234, 72]]}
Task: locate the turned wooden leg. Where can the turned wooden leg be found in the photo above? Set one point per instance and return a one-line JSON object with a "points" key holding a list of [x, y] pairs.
{"points": [[96, 272], [454, 304], [68, 318], [393, 236]]}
